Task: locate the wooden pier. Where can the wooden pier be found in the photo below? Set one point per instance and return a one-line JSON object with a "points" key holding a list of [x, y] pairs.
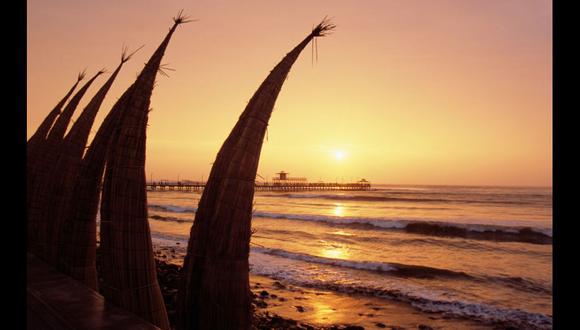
{"points": [[55, 301], [266, 186]]}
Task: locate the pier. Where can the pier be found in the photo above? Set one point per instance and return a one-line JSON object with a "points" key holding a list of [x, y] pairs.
{"points": [[266, 186]]}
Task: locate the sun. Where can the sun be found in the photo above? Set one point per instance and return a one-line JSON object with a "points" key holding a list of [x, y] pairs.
{"points": [[339, 154]]}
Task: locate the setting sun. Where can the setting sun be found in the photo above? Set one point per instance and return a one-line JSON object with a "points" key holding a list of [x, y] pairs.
{"points": [[475, 84]]}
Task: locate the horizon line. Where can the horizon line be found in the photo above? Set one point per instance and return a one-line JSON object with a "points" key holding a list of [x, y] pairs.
{"points": [[397, 184]]}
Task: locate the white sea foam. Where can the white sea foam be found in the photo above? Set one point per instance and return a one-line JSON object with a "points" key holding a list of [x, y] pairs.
{"points": [[361, 265], [422, 299]]}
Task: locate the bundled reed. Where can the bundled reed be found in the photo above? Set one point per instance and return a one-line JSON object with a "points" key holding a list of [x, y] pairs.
{"points": [[42, 131], [214, 292], [44, 164], [37, 139], [58, 130], [77, 244], [69, 156], [129, 270]]}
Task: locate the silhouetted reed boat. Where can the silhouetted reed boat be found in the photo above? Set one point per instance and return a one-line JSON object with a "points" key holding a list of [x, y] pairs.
{"points": [[129, 271], [40, 178], [214, 292], [65, 196]]}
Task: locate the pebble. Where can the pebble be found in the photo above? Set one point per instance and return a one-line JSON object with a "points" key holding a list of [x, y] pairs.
{"points": [[261, 304]]}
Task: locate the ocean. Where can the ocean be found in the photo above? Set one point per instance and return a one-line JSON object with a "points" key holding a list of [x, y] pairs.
{"points": [[478, 253]]}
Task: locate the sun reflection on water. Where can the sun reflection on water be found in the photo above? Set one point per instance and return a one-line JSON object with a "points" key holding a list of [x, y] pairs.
{"points": [[338, 210], [323, 313], [342, 233], [335, 252]]}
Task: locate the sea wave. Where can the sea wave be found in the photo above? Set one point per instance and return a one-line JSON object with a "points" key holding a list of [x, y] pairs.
{"points": [[464, 309], [427, 227], [406, 270], [169, 219], [387, 268], [172, 208], [380, 267], [425, 302], [416, 226], [416, 197]]}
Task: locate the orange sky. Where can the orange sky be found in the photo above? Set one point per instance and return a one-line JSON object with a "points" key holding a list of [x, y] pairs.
{"points": [[417, 92]]}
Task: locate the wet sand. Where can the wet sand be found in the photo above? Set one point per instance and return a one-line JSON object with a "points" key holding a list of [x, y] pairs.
{"points": [[328, 310]]}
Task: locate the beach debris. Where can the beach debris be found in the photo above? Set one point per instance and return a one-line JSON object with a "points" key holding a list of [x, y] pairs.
{"points": [[300, 309], [129, 271], [261, 304], [215, 290]]}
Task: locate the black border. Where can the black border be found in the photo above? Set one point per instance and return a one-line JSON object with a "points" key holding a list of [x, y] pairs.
{"points": [[13, 237], [563, 145]]}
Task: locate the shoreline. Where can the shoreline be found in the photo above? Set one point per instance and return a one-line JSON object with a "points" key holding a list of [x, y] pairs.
{"points": [[280, 305]]}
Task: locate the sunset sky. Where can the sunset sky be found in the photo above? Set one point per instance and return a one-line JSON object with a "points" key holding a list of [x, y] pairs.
{"points": [[404, 92]]}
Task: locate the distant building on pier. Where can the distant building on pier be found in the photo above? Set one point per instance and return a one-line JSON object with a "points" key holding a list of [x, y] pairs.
{"points": [[284, 178]]}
